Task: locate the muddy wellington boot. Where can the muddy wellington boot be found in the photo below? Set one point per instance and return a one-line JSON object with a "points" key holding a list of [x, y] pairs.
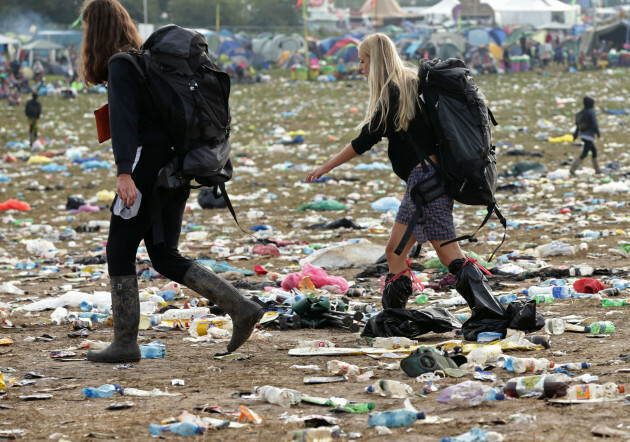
{"points": [[487, 313], [596, 165], [398, 288], [575, 165], [245, 314], [126, 313]]}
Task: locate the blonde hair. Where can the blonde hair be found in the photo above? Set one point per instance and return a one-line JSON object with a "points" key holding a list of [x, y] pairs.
{"points": [[386, 67]]}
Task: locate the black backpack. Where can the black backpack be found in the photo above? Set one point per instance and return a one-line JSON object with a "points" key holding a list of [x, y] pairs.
{"points": [[457, 112], [581, 121], [191, 94]]}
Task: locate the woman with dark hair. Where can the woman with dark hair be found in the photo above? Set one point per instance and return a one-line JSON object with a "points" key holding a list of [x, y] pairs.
{"points": [[141, 147]]}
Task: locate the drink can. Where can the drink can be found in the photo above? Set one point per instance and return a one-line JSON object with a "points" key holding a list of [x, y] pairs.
{"points": [[82, 323]]}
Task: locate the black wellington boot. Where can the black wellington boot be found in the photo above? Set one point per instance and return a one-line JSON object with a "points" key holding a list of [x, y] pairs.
{"points": [[245, 314], [396, 291], [487, 312], [126, 313]]}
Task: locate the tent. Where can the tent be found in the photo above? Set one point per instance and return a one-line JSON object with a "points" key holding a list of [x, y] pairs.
{"points": [[531, 12], [440, 12], [272, 47], [451, 38], [4, 40], [387, 12], [480, 37], [42, 45], [618, 33]]}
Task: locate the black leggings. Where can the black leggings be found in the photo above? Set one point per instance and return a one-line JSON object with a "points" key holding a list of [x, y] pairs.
{"points": [[125, 234], [588, 146]]}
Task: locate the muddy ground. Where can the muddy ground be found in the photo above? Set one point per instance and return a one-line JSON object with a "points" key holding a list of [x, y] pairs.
{"points": [[269, 170]]}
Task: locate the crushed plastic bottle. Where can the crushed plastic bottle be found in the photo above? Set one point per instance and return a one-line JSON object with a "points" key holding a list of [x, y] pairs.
{"points": [[484, 354], [284, 397], [600, 327], [527, 365], [105, 390], [319, 434], [393, 342], [153, 350], [181, 428], [339, 368], [390, 388], [464, 394]]}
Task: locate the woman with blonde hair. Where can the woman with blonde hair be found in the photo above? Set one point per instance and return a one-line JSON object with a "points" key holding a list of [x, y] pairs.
{"points": [[394, 112], [141, 147]]}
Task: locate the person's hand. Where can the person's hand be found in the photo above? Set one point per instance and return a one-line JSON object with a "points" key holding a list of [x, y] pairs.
{"points": [[126, 189], [317, 173]]}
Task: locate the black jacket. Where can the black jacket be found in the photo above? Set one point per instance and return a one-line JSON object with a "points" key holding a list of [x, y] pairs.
{"points": [[593, 128], [134, 118], [401, 151], [33, 108]]}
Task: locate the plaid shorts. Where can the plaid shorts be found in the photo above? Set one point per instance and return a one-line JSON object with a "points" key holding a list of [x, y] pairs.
{"points": [[438, 214]]}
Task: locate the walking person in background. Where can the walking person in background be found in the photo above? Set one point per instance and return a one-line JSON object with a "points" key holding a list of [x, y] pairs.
{"points": [[587, 132], [142, 146], [33, 111]]}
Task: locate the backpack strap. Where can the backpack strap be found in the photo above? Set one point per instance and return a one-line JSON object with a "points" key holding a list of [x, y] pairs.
{"points": [[492, 208]]}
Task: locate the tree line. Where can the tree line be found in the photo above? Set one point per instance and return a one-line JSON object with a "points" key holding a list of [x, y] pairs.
{"points": [[190, 13]]}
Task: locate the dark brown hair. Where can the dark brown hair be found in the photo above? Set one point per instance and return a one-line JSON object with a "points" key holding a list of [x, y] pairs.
{"points": [[108, 29]]}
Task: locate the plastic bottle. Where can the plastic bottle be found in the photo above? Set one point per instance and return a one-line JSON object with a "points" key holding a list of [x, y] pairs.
{"points": [[555, 248], [319, 434], [166, 295], [575, 365], [105, 390], [59, 315], [147, 297], [556, 291], [554, 326], [339, 368], [542, 298], [181, 428], [422, 299], [549, 385], [284, 397], [359, 408], [394, 418], [585, 392], [527, 365], [600, 327], [506, 299], [393, 342], [154, 350], [485, 354], [612, 291], [185, 313], [200, 326], [390, 388], [614, 302], [464, 394], [315, 343], [621, 284], [174, 286]]}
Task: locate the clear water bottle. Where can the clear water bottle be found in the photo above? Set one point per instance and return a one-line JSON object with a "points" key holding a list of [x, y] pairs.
{"points": [[174, 286], [339, 368], [506, 299], [181, 428], [284, 397], [184, 313], [394, 418], [166, 295], [390, 388], [154, 350], [485, 354], [105, 390], [555, 326], [600, 327], [560, 292]]}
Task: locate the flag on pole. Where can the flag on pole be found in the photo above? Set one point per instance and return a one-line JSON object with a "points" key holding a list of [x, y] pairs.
{"points": [[367, 6], [77, 22]]}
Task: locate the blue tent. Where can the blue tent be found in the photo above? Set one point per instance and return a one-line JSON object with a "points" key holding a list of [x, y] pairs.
{"points": [[499, 35], [413, 47], [233, 47], [326, 44]]}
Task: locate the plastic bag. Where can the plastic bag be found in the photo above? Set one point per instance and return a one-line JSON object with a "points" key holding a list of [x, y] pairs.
{"points": [[588, 285], [410, 323]]}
